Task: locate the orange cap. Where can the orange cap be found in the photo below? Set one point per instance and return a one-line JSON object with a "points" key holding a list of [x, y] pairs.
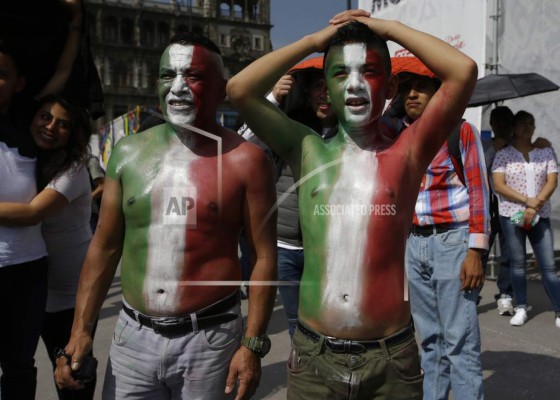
{"points": [[410, 64], [315, 62]]}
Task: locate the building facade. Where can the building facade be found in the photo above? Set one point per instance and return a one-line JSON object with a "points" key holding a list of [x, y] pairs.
{"points": [[128, 37]]}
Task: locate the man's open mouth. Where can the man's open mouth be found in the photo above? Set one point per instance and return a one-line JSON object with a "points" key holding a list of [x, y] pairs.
{"points": [[357, 104], [180, 103]]}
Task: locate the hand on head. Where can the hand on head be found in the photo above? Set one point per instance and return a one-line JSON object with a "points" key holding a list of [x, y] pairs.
{"points": [[349, 15]]}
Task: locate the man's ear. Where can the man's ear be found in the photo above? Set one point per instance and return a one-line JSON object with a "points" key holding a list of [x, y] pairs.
{"points": [[393, 86]]}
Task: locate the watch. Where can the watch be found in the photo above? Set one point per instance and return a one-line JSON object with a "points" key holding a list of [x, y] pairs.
{"points": [[259, 345]]}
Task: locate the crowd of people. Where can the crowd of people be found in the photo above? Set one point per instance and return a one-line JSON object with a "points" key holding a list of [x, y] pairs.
{"points": [[374, 225]]}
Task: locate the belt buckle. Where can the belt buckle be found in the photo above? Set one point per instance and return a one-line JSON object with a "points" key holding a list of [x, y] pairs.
{"points": [[155, 325], [346, 346], [354, 347], [162, 326]]}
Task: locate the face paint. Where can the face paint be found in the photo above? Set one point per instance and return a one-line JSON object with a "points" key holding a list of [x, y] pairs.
{"points": [[357, 84], [176, 97], [190, 85]]}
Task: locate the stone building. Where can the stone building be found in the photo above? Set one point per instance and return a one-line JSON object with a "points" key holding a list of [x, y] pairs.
{"points": [[128, 37]]}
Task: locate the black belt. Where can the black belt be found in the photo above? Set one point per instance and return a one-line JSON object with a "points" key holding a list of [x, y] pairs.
{"points": [[212, 315], [429, 230], [357, 346]]}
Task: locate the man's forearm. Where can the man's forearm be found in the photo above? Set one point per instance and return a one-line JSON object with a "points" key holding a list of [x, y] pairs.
{"points": [[96, 278], [443, 59], [257, 78], [261, 297]]}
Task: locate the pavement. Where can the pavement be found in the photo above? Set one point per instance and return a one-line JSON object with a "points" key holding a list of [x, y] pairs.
{"points": [[520, 363]]}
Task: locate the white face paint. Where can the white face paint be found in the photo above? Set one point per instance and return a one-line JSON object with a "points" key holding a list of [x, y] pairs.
{"points": [[347, 236], [357, 93], [180, 100]]}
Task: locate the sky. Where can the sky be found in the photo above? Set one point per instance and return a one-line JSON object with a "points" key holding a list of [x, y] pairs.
{"points": [[293, 19]]}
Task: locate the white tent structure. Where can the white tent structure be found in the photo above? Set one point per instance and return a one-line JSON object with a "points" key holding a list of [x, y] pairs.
{"points": [[502, 36]]}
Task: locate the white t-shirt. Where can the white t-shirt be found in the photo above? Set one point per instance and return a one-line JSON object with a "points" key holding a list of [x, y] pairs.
{"points": [[18, 244], [67, 234], [527, 178]]}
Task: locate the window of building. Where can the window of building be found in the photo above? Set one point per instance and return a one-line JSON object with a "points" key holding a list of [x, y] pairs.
{"points": [[110, 29], [127, 31], [162, 34], [258, 42], [224, 40], [123, 75], [224, 9], [147, 33], [237, 11]]}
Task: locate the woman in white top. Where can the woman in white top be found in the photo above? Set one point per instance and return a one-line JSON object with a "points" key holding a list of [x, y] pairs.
{"points": [[61, 133], [525, 178]]}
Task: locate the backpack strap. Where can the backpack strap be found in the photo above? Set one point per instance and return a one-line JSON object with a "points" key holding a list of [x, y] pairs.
{"points": [[455, 152]]}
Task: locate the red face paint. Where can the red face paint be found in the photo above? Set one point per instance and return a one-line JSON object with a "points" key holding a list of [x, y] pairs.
{"points": [[191, 84]]}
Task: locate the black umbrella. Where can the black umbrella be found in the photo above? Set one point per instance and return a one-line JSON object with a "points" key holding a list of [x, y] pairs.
{"points": [[493, 88]]}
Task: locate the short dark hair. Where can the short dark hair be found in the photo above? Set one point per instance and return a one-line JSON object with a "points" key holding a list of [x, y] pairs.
{"points": [[193, 38], [357, 32], [502, 113], [521, 115]]}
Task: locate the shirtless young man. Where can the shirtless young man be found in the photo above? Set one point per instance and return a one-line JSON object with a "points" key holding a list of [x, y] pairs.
{"points": [[357, 195], [175, 199]]}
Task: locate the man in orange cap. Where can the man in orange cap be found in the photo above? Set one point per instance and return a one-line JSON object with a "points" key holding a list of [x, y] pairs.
{"points": [[443, 254]]}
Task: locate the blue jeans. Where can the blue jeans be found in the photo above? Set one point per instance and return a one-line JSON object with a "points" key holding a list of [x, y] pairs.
{"points": [[504, 281], [540, 237], [290, 269], [444, 315]]}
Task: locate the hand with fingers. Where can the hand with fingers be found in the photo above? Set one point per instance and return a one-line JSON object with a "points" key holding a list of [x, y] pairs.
{"points": [[70, 360], [379, 26], [282, 87], [472, 273], [245, 369]]}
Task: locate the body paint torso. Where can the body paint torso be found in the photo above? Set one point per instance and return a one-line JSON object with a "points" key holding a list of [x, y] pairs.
{"points": [[173, 223], [178, 237], [353, 280]]}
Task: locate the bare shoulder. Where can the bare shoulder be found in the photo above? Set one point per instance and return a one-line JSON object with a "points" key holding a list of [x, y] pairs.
{"points": [[134, 148], [240, 150]]}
